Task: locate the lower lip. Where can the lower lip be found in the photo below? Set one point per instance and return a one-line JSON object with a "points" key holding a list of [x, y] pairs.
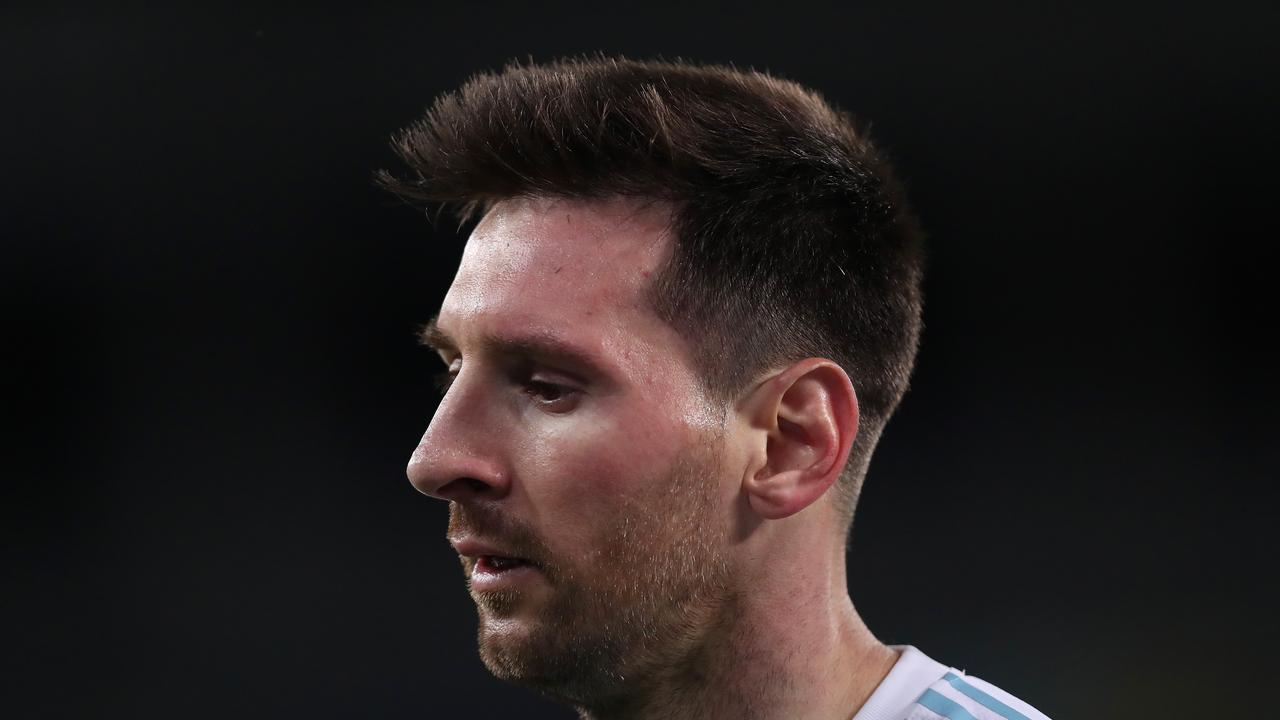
{"points": [[485, 577]]}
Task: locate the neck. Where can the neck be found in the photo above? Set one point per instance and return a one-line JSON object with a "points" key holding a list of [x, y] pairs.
{"points": [[792, 647]]}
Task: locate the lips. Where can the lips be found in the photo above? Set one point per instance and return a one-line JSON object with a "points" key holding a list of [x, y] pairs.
{"points": [[493, 567], [492, 556], [499, 563]]}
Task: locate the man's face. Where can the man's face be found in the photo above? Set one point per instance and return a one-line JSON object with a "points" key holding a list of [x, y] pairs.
{"points": [[583, 462]]}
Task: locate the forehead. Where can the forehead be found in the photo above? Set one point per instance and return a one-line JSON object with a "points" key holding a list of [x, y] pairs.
{"points": [[578, 269]]}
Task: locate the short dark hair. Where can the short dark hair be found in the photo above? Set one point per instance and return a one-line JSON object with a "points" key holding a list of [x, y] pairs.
{"points": [[792, 235]]}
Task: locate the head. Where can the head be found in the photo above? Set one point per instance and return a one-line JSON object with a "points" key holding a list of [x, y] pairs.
{"points": [[686, 282]]}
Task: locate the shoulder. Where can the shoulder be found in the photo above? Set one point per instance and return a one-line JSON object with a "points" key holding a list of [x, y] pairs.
{"points": [[957, 696], [920, 688]]}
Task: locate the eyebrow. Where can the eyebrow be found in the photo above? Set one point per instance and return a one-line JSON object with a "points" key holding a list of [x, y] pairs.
{"points": [[531, 344]]}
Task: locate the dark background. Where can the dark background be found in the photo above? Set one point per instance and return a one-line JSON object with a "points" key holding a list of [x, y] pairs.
{"points": [[214, 388]]}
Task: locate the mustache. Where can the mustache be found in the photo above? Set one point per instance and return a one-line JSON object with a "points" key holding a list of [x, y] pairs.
{"points": [[500, 528]]}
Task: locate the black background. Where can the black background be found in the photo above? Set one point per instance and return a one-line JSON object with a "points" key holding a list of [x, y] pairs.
{"points": [[214, 388]]}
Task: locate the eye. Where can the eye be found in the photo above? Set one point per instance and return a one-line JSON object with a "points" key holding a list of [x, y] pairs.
{"points": [[443, 380], [550, 396]]}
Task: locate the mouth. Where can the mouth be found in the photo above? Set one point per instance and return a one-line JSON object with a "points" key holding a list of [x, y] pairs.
{"points": [[492, 573], [500, 563], [488, 569]]}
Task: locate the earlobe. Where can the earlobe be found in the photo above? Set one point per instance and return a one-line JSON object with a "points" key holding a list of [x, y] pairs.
{"points": [[803, 421]]}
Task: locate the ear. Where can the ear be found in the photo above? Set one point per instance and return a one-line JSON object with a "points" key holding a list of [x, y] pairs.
{"points": [[800, 427]]}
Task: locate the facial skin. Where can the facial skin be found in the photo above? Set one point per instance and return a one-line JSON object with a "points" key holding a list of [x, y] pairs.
{"points": [[603, 465], [687, 558]]}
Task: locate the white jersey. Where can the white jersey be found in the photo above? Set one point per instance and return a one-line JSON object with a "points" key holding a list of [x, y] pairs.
{"points": [[918, 688]]}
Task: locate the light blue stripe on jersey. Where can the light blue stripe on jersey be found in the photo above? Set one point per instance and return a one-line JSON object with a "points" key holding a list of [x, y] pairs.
{"points": [[986, 700], [944, 706]]}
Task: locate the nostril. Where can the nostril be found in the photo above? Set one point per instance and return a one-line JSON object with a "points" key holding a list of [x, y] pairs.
{"points": [[464, 487]]}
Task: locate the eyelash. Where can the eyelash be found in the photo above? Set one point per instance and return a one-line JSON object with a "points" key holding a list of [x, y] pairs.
{"points": [[442, 380], [537, 389]]}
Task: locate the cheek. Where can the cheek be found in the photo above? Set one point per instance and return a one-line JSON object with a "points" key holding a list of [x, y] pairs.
{"points": [[583, 470]]}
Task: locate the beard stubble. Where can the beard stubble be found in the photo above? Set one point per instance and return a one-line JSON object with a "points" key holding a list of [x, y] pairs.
{"points": [[636, 607]]}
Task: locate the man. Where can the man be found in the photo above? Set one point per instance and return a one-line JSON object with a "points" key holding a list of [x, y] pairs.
{"points": [[689, 306]]}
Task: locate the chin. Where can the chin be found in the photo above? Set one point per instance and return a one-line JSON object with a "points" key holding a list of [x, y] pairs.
{"points": [[549, 660]]}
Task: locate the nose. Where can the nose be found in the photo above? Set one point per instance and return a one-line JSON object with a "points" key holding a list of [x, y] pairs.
{"points": [[458, 457]]}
